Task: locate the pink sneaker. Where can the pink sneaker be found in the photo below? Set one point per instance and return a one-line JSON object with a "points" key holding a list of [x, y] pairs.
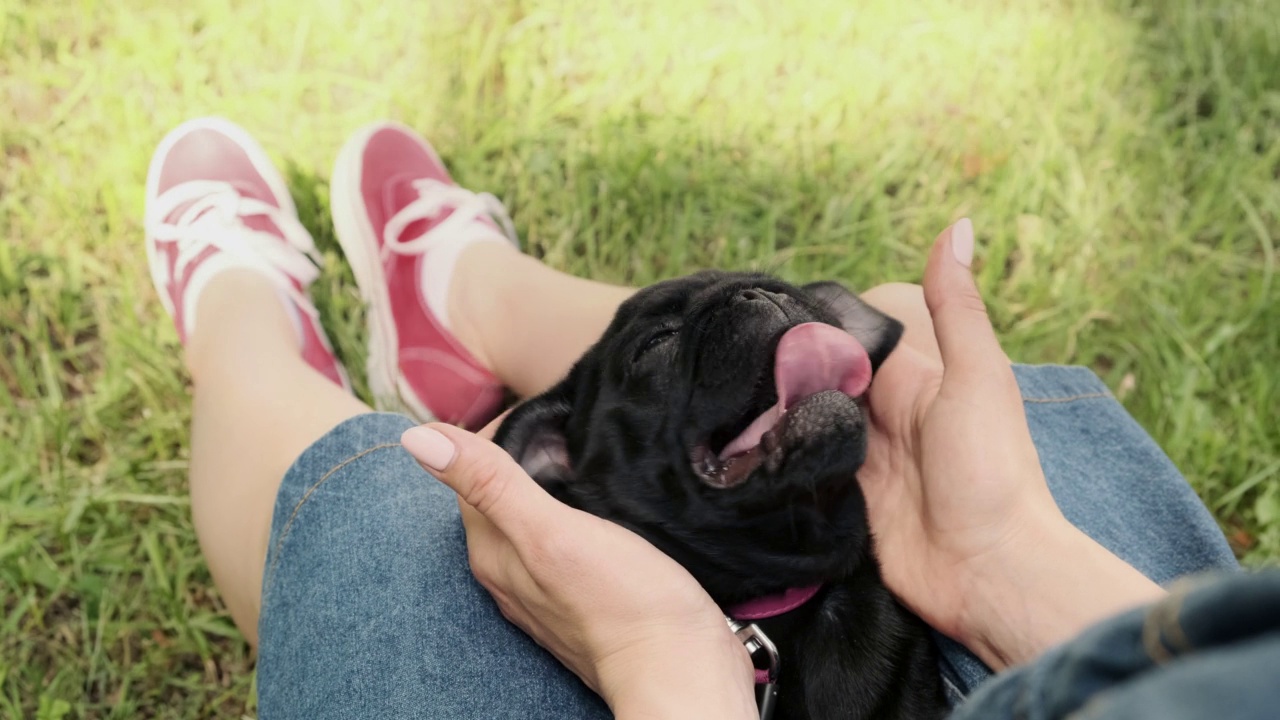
{"points": [[215, 202], [403, 222]]}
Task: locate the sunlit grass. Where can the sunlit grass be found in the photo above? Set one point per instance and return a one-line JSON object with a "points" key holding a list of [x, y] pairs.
{"points": [[1120, 166]]}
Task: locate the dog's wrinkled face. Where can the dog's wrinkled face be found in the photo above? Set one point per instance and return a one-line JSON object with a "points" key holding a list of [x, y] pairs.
{"points": [[718, 417]]}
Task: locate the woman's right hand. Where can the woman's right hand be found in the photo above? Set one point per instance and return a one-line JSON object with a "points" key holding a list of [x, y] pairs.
{"points": [[966, 530]]}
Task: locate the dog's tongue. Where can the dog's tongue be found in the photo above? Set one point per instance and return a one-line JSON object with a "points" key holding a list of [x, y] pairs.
{"points": [[810, 358]]}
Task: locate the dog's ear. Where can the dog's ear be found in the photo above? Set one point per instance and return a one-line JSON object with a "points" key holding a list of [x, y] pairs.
{"points": [[534, 434], [877, 332]]}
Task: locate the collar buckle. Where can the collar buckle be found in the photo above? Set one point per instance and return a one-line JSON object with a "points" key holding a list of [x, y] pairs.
{"points": [[757, 643]]}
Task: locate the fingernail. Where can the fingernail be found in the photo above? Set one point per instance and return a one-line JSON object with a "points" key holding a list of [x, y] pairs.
{"points": [[962, 241], [430, 447]]}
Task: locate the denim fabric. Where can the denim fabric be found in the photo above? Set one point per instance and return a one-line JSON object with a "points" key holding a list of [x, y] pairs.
{"points": [[369, 609], [1209, 650]]}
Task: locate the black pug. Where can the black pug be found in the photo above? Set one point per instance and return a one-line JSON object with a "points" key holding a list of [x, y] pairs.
{"points": [[719, 417]]}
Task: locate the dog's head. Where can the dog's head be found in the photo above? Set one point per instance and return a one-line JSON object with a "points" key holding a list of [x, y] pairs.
{"points": [[719, 417]]}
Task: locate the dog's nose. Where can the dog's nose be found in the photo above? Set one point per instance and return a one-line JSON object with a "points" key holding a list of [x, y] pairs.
{"points": [[758, 295]]}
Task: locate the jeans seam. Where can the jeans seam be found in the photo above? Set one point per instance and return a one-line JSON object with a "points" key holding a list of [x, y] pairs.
{"points": [[1070, 398], [284, 532]]}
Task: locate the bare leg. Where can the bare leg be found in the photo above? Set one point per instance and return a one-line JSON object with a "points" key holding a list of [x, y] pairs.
{"points": [[529, 323], [524, 321], [257, 406]]}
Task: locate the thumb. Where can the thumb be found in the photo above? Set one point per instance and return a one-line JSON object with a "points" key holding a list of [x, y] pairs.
{"points": [[482, 474], [970, 351]]}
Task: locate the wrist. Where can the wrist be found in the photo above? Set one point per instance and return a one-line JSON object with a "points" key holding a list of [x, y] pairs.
{"points": [[689, 677], [1049, 586]]}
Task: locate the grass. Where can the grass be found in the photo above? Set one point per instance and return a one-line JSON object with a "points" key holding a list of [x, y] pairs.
{"points": [[1121, 162]]}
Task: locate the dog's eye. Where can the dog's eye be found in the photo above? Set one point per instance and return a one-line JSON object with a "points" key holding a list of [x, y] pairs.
{"points": [[654, 341]]}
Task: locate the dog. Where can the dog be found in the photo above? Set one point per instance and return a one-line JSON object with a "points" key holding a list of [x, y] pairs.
{"points": [[720, 417]]}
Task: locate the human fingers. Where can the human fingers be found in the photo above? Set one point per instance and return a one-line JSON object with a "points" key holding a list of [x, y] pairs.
{"points": [[469, 460], [485, 478], [970, 351], [513, 526]]}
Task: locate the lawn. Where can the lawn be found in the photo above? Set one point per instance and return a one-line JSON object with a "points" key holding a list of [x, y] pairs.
{"points": [[1121, 163]]}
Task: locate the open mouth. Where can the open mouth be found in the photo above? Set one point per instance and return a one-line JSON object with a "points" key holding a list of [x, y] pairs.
{"points": [[810, 358]]}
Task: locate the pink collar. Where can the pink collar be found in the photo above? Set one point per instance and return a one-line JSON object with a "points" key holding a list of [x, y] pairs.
{"points": [[774, 605], [767, 607]]}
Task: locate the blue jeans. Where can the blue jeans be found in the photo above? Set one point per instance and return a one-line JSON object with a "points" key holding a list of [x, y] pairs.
{"points": [[369, 609]]}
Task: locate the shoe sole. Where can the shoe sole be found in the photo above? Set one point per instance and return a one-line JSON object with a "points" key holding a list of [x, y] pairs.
{"points": [[359, 243]]}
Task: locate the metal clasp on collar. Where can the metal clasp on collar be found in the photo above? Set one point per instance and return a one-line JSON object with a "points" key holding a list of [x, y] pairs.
{"points": [[756, 642]]}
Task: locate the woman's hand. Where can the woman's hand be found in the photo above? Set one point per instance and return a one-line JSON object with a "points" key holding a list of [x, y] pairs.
{"points": [[627, 619], [966, 530]]}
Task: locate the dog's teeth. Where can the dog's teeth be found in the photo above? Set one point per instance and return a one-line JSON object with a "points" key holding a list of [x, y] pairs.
{"points": [[711, 465]]}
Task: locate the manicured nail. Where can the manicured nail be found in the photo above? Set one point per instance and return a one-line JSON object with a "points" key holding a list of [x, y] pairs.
{"points": [[429, 446], [962, 241]]}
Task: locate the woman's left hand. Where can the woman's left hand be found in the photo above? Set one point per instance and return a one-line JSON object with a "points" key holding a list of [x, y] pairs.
{"points": [[628, 620]]}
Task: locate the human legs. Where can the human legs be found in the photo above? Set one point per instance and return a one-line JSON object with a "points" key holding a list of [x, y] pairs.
{"points": [[229, 260], [528, 322], [261, 402], [368, 606], [257, 405], [388, 617], [509, 304], [230, 263], [456, 314]]}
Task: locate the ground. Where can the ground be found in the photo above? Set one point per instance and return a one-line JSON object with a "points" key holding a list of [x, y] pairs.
{"points": [[1120, 162]]}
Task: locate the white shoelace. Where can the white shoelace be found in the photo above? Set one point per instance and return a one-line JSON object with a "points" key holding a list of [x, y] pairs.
{"points": [[433, 197], [215, 218]]}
